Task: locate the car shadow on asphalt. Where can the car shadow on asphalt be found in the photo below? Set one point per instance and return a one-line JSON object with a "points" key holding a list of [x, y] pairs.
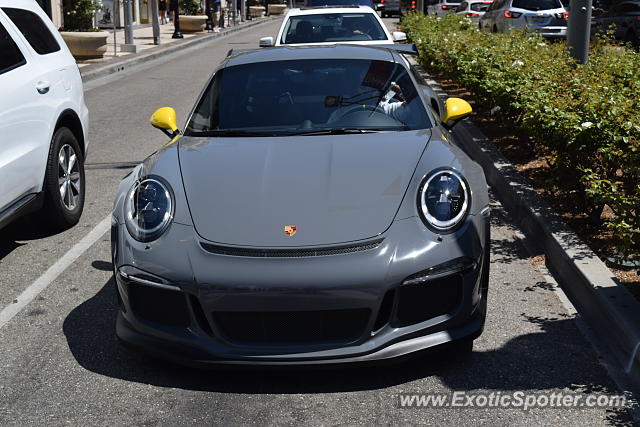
{"points": [[30, 227]]}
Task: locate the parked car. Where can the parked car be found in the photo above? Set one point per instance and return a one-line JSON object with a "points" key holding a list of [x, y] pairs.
{"points": [[441, 7], [473, 9], [44, 121], [390, 8], [320, 3], [295, 223], [350, 24], [623, 18], [545, 17]]}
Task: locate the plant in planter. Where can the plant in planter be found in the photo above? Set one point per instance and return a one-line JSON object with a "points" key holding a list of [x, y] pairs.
{"points": [[276, 7], [83, 39], [256, 8], [193, 20]]}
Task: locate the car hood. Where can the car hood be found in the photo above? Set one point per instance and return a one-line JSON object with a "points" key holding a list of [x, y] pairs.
{"points": [[333, 189]]}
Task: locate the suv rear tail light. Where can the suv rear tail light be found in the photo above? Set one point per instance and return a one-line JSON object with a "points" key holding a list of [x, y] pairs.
{"points": [[511, 15], [471, 14], [445, 7], [413, 4]]}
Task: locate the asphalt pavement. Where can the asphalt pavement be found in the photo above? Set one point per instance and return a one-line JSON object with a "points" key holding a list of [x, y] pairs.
{"points": [[60, 363]]}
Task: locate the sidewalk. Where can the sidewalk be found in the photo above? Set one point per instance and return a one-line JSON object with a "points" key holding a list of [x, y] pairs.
{"points": [[143, 37]]}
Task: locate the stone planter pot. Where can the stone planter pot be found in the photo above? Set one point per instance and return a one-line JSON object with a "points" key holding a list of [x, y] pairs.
{"points": [[84, 45], [277, 9], [256, 11], [192, 23]]}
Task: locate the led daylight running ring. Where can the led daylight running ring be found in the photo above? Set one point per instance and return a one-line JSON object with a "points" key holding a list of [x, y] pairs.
{"points": [[154, 201], [438, 224]]}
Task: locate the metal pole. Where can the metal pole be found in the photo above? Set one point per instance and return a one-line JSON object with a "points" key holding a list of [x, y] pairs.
{"points": [[128, 22], [234, 11], [113, 21], [155, 22], [209, 26], [243, 10], [578, 30], [176, 20]]}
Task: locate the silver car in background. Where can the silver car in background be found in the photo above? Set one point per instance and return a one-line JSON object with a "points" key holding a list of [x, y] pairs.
{"points": [[545, 17], [473, 9], [441, 7]]}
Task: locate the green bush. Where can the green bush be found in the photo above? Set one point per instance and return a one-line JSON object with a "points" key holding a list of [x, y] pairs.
{"points": [[587, 115], [78, 14], [189, 7]]}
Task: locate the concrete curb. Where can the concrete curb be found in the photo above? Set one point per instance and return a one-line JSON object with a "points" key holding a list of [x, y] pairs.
{"points": [[609, 310], [95, 71]]}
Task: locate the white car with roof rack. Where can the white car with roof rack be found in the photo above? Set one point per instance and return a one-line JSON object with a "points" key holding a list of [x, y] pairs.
{"points": [[333, 25]]}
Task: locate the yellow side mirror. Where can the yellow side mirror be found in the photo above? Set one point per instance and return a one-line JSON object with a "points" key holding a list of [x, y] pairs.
{"points": [[165, 119], [455, 109]]}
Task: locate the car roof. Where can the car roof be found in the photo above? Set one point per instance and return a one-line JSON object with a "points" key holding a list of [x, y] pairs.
{"points": [[319, 10], [337, 51]]}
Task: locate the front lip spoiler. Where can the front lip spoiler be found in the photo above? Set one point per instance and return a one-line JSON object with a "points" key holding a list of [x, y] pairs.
{"points": [[197, 358]]}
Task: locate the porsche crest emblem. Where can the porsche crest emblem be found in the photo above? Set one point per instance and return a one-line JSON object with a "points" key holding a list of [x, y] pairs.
{"points": [[290, 230]]}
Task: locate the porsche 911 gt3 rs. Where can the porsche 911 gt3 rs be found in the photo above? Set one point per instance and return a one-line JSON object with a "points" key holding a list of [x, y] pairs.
{"points": [[315, 209]]}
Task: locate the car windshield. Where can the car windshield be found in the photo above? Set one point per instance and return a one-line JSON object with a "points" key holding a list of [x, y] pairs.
{"points": [[536, 4], [316, 3], [300, 97], [332, 27]]}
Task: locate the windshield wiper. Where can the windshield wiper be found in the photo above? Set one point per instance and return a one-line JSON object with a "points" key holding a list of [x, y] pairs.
{"points": [[338, 131]]}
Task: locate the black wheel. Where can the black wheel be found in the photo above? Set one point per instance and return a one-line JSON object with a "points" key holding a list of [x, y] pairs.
{"points": [[64, 182], [384, 15], [495, 29]]}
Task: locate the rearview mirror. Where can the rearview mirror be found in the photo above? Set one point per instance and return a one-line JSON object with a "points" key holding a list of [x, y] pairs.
{"points": [[165, 119], [399, 36], [266, 42], [455, 109]]}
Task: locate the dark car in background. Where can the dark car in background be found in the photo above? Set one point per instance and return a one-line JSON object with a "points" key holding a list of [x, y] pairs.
{"points": [[390, 8], [622, 18]]}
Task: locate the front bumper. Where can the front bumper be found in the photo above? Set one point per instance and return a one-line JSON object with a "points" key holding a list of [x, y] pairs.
{"points": [[338, 308]]}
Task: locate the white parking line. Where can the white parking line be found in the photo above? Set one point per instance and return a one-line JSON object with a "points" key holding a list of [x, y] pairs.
{"points": [[41, 283]]}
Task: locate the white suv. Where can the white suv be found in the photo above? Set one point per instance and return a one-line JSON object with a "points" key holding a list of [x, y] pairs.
{"points": [[331, 25], [43, 119]]}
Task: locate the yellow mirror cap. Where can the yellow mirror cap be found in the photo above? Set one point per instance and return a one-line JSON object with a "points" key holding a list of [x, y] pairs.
{"points": [[456, 109], [164, 118]]}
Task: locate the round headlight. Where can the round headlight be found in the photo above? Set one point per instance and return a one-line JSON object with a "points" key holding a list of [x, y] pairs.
{"points": [[443, 200], [149, 209]]}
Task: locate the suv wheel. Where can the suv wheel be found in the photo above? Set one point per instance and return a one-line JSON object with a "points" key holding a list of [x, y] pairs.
{"points": [[64, 181]]}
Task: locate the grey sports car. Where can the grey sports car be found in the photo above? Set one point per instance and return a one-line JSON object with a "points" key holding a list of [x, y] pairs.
{"points": [[315, 209]]}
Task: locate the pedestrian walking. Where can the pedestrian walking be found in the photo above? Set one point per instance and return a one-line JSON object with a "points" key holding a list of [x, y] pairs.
{"points": [[162, 7], [172, 10], [217, 9]]}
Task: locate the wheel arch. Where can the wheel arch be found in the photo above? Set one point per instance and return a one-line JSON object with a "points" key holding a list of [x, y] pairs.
{"points": [[69, 119]]}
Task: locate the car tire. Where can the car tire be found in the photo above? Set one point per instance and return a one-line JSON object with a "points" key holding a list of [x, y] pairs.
{"points": [[63, 203], [494, 29]]}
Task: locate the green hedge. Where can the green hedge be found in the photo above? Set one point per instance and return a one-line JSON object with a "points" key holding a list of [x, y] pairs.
{"points": [[587, 115]]}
